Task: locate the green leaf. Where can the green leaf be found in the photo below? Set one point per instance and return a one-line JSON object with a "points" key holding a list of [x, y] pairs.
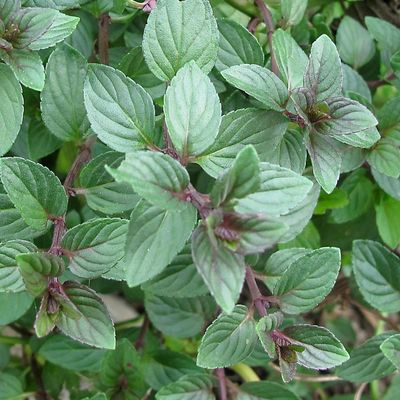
{"points": [[95, 246], [364, 139], [10, 387], [242, 178], [8, 9], [264, 326], [34, 190], [42, 28], [10, 276], [386, 34], [178, 32], [262, 129], [62, 105], [355, 83], [27, 67], [326, 159], [387, 115], [165, 367], [102, 193], [180, 279], [360, 192], [308, 280], [390, 185], [385, 158], [293, 10], [291, 59], [94, 327], [279, 262], [346, 117], [228, 340], [69, 354], [391, 349], [222, 270], [56, 4], [147, 252], [134, 66], [322, 350], [12, 226], [181, 318], [192, 111], [338, 199], [354, 43], [324, 71], [123, 365], [290, 152], [265, 390], [120, 111], [156, 177], [367, 362], [13, 306], [377, 273], [280, 191], [387, 213], [260, 83], [237, 46], [188, 388], [36, 268], [11, 108]]}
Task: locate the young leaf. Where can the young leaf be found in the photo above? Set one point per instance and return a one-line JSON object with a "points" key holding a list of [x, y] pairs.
{"points": [[180, 279], [62, 104], [324, 71], [280, 191], [8, 9], [95, 246], [242, 179], [27, 67], [237, 46], [147, 252], [260, 83], [322, 350], [102, 193], [36, 268], [120, 111], [264, 326], [94, 327], [228, 340], [293, 10], [265, 390], [377, 273], [222, 270], [325, 158], [156, 177], [192, 111], [367, 362], [262, 129], [178, 32], [354, 43], [10, 276], [67, 353], [308, 280], [181, 318], [11, 108], [35, 191], [391, 349], [291, 59], [188, 387]]}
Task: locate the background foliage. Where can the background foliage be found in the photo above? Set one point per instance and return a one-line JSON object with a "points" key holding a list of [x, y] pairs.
{"points": [[199, 199]]}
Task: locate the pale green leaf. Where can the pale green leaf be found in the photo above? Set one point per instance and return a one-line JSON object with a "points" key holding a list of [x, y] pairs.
{"points": [[391, 349], [390, 185], [293, 10], [387, 217], [192, 111], [385, 158], [120, 111], [13, 306], [34, 190], [265, 391], [228, 340]]}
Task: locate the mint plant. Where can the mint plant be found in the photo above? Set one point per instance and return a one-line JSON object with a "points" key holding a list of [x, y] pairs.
{"points": [[199, 200]]}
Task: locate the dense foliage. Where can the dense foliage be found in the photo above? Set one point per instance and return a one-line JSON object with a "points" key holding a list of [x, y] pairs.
{"points": [[199, 199]]}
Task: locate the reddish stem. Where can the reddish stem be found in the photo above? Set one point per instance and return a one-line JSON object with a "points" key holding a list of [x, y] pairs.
{"points": [[255, 292], [104, 22], [220, 372]]}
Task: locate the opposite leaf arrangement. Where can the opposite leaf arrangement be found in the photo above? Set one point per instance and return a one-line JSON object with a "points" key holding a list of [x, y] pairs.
{"points": [[194, 152]]}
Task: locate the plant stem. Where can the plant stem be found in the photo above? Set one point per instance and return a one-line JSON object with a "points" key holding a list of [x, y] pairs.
{"points": [[380, 82], [142, 334], [242, 7], [104, 22], [245, 372], [41, 394], [13, 340], [220, 372], [309, 378], [255, 292], [266, 14]]}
